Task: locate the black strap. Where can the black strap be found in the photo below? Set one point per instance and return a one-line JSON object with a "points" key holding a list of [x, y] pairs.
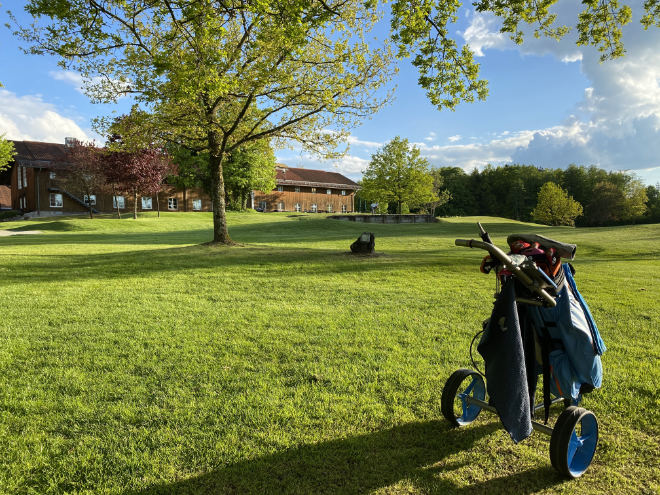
{"points": [[546, 344]]}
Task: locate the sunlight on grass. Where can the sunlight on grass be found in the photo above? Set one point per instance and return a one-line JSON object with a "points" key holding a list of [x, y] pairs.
{"points": [[135, 359]]}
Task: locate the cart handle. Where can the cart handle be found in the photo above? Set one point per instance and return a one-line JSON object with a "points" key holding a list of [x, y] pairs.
{"points": [[506, 261]]}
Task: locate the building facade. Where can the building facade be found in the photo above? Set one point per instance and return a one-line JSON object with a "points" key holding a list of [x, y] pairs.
{"points": [[306, 190], [33, 182]]}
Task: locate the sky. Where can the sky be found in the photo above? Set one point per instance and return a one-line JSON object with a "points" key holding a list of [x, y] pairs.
{"points": [[550, 104]]}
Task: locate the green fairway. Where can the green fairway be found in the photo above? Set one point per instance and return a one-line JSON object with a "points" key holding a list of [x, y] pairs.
{"points": [[136, 360]]}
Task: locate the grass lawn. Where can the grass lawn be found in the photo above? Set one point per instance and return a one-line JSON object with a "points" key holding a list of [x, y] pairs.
{"points": [[134, 360]]}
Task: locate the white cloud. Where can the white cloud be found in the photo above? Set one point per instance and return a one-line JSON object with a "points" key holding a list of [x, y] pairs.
{"points": [[70, 77], [453, 139], [76, 80], [482, 33], [619, 126], [32, 119], [430, 137], [353, 141]]}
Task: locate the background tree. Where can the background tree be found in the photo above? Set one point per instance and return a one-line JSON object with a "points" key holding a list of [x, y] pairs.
{"points": [[442, 194], [192, 171], [142, 172], [653, 203], [250, 167], [85, 178], [555, 206], [7, 152], [397, 173]]}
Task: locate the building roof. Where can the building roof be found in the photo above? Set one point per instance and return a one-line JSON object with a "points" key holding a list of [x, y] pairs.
{"points": [[314, 178], [35, 154]]}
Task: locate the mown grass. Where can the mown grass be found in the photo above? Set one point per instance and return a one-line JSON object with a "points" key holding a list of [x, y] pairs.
{"points": [[135, 360]]}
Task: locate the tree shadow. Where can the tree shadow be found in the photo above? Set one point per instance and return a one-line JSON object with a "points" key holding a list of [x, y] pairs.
{"points": [[359, 464]]}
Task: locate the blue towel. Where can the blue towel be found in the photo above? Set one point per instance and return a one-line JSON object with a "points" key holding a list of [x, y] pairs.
{"points": [[502, 347]]}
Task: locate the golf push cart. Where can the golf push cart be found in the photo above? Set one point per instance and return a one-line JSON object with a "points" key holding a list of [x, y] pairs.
{"points": [[540, 325]]}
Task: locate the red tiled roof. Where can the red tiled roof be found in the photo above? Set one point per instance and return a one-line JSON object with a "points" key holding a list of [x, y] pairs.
{"points": [[307, 177], [37, 154]]}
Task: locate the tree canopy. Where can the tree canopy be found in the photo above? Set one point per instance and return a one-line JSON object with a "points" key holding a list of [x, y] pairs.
{"points": [[7, 152], [555, 206], [398, 174]]}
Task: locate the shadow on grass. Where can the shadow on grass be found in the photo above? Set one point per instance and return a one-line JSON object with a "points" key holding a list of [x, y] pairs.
{"points": [[359, 464]]}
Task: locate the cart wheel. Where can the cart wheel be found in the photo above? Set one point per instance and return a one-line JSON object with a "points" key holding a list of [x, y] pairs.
{"points": [[459, 385], [573, 442]]}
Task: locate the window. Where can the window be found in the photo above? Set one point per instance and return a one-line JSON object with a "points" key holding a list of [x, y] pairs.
{"points": [[329, 210], [90, 200], [197, 204], [24, 176], [263, 205], [297, 206], [52, 175], [343, 192], [343, 208], [118, 202], [19, 177], [313, 189], [314, 208], [280, 206], [328, 191], [280, 188], [147, 204], [172, 204], [297, 189], [55, 200]]}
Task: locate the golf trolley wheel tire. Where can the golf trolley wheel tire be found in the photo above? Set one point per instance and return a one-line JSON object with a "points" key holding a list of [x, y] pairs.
{"points": [[571, 452], [462, 381]]}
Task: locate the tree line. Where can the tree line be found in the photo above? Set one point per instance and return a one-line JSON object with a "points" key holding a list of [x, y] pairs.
{"points": [[513, 191], [399, 180]]}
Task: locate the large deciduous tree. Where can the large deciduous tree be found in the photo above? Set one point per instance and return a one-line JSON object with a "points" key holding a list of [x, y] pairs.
{"points": [[555, 206], [215, 75], [398, 174]]}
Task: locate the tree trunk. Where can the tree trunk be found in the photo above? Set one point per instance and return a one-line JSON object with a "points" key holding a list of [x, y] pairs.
{"points": [[158, 203], [185, 199], [91, 214], [220, 232], [135, 204]]}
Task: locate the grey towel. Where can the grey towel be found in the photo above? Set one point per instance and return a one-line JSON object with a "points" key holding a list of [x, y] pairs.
{"points": [[502, 349]]}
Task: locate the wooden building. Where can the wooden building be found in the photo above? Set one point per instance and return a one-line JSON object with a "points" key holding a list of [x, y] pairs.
{"points": [[31, 185], [33, 182], [305, 190]]}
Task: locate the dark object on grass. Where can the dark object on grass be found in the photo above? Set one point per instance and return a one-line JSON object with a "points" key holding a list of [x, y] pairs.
{"points": [[364, 244]]}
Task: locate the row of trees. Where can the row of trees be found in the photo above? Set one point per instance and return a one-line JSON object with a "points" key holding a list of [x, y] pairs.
{"points": [[399, 180], [96, 170], [116, 171], [590, 195]]}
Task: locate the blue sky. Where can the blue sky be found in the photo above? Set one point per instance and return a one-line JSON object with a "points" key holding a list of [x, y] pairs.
{"points": [[550, 104]]}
